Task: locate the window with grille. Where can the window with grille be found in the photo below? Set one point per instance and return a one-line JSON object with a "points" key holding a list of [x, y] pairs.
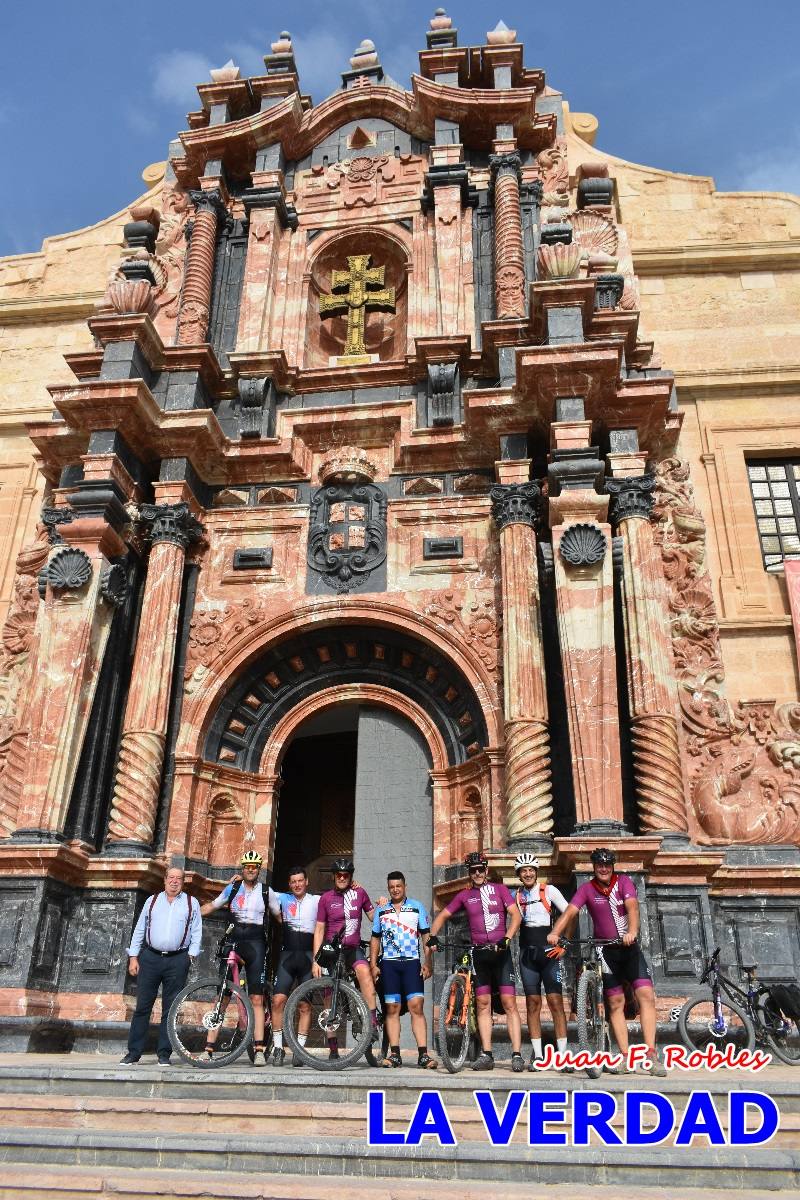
{"points": [[775, 487]]}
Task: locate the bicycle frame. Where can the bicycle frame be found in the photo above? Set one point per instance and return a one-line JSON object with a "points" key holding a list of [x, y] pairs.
{"points": [[465, 967], [722, 984]]}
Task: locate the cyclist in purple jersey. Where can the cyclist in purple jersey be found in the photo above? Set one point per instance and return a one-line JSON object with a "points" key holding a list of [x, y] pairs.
{"points": [[612, 904], [493, 918], [340, 911]]}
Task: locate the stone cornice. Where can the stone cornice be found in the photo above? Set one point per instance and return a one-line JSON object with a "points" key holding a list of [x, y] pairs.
{"points": [[41, 309], [745, 381], [477, 111], [718, 256]]}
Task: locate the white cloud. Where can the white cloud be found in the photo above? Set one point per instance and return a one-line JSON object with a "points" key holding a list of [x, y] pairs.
{"points": [[139, 120], [177, 74], [776, 169]]}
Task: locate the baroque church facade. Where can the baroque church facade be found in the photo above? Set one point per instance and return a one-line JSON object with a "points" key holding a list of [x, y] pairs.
{"points": [[402, 476]]}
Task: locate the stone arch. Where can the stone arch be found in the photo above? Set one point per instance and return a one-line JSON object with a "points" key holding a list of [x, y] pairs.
{"points": [[318, 657], [385, 332]]}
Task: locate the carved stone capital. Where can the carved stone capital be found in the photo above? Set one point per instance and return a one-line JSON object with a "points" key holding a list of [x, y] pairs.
{"points": [[505, 164], [210, 201], [630, 497], [51, 519], [170, 523], [515, 504]]}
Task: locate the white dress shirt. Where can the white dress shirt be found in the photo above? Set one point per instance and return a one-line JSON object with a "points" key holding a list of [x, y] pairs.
{"points": [[168, 925]]}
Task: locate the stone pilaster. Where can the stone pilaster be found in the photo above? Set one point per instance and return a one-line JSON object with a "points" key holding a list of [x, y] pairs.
{"points": [[650, 666], [73, 627], [171, 528], [529, 805], [195, 309], [585, 606], [509, 260]]}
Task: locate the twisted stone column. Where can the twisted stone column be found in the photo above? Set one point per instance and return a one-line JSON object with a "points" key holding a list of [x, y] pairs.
{"points": [[650, 667], [529, 804], [141, 756], [509, 261], [195, 308]]}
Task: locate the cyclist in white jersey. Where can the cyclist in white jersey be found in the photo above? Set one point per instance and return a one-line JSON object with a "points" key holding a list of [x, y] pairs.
{"points": [[296, 912], [539, 964]]}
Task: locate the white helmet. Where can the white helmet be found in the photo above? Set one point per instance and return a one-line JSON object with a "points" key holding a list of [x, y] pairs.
{"points": [[525, 859]]}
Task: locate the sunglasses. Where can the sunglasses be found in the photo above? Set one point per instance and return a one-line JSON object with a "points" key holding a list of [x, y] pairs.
{"points": [[477, 870]]}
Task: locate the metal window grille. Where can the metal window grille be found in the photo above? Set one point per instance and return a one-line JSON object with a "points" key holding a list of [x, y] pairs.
{"points": [[775, 488]]}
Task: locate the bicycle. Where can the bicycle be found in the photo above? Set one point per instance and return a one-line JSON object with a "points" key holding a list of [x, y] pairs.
{"points": [[740, 1020], [458, 1021], [593, 1032], [213, 1004], [339, 1013]]}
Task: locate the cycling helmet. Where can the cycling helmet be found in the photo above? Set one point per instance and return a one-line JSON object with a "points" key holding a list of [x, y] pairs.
{"points": [[343, 865], [525, 859], [476, 859], [603, 855], [251, 858]]}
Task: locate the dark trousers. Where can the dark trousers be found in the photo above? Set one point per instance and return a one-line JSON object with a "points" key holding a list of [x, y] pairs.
{"points": [[156, 971]]}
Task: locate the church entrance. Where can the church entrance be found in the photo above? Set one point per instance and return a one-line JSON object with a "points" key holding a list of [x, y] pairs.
{"points": [[356, 782]]}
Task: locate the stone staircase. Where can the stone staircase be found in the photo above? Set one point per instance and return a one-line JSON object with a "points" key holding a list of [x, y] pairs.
{"points": [[86, 1126]]}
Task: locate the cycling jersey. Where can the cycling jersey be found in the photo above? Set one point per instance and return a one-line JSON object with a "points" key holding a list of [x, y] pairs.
{"points": [[398, 929], [536, 918], [341, 913], [606, 906], [485, 907], [298, 918], [248, 903]]}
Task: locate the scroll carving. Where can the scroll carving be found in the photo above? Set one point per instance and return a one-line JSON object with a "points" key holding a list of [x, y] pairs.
{"points": [[743, 760]]}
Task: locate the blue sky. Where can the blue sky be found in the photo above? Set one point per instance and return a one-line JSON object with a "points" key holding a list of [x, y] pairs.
{"points": [[93, 91]]}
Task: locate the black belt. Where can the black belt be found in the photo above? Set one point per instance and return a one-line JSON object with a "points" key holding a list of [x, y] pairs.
{"points": [[167, 953]]}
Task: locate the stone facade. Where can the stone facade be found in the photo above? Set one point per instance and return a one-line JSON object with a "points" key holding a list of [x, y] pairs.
{"points": [[411, 403]]}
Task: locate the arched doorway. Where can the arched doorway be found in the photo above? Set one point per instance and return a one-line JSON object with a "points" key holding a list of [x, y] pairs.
{"points": [[356, 780]]}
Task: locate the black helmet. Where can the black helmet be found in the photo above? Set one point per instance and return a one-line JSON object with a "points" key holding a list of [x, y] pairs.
{"points": [[343, 865], [475, 859], [603, 855]]}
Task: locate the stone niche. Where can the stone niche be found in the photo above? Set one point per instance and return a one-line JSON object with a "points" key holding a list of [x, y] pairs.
{"points": [[385, 332]]}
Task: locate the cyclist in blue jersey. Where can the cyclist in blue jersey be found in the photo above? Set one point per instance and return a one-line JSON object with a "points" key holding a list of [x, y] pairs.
{"points": [[296, 913], [399, 929]]}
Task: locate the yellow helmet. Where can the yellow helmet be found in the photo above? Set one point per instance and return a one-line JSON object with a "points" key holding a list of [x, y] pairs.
{"points": [[251, 858]]}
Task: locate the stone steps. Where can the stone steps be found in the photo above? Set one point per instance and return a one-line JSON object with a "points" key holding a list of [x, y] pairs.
{"points": [[262, 1118], [194, 1130]]}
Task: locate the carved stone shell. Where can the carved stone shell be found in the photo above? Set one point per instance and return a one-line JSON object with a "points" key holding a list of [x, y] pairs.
{"points": [[114, 585], [129, 296], [583, 545], [594, 233], [559, 261], [69, 569]]}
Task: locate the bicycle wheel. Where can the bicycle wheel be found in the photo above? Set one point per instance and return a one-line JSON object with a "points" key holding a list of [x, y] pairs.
{"points": [[700, 1025], [782, 1034], [456, 1023], [350, 1024], [591, 1019], [200, 1009]]}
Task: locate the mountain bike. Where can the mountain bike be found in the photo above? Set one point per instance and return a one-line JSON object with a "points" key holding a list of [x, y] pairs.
{"points": [[215, 1004], [458, 1022], [341, 1027], [738, 1017], [593, 1031]]}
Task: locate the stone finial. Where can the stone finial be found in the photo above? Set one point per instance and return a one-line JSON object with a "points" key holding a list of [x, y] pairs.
{"points": [[440, 20], [501, 35], [365, 56], [227, 73], [283, 44]]}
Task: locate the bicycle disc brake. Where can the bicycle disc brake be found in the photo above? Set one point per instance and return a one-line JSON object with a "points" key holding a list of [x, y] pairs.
{"points": [[212, 1019], [328, 1027]]}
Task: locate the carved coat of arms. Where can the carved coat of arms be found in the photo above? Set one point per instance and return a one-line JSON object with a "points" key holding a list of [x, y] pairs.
{"points": [[347, 533]]}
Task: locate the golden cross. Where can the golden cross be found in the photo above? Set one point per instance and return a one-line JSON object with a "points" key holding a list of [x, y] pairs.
{"points": [[360, 283]]}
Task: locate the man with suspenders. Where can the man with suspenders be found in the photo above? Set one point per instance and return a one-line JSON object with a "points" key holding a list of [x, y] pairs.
{"points": [[539, 964], [165, 941]]}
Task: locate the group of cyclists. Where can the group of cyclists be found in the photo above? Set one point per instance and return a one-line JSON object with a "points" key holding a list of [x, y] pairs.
{"points": [[402, 941]]}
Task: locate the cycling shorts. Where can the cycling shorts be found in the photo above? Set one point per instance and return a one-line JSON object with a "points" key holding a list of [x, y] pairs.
{"points": [[294, 966], [353, 955], [402, 979], [251, 946], [538, 971], [494, 971], [626, 964]]}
